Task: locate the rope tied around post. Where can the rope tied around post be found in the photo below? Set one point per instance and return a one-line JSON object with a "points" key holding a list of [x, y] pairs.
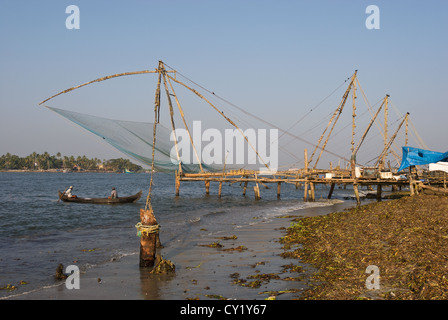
{"points": [[146, 229]]}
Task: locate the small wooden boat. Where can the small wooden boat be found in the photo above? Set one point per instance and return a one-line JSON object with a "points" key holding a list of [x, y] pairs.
{"points": [[129, 199]]}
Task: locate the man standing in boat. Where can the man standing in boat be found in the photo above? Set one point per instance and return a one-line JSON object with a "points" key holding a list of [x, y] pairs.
{"points": [[113, 194]]}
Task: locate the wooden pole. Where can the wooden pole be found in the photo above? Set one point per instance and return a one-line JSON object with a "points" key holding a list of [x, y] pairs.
{"points": [[312, 196], [355, 188], [224, 116], [207, 187], [245, 188], [173, 127], [278, 189], [181, 111], [100, 79], [305, 191], [257, 192], [148, 227], [177, 183], [336, 113], [331, 190], [220, 189], [378, 192], [148, 238]]}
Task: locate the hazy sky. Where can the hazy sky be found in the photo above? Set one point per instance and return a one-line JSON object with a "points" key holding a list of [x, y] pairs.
{"points": [[275, 58]]}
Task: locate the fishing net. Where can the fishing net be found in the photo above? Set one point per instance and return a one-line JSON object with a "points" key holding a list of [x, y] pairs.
{"points": [[135, 140]]}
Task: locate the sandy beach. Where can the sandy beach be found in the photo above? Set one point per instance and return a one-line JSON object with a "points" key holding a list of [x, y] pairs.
{"points": [[247, 266]]}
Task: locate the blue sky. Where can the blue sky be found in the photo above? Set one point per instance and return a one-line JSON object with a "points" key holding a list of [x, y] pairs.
{"points": [[274, 58]]}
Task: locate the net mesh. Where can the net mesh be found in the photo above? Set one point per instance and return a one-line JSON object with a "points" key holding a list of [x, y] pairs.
{"points": [[135, 140]]}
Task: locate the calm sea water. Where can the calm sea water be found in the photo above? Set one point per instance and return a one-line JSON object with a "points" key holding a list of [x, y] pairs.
{"points": [[37, 231]]}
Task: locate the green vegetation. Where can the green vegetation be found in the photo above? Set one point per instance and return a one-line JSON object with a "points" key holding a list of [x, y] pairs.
{"points": [[45, 161], [404, 238]]}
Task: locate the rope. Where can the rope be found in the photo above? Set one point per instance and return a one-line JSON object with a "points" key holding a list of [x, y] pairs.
{"points": [[156, 115], [146, 230]]}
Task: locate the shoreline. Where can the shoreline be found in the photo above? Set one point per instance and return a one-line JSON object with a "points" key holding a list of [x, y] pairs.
{"points": [[248, 266], [404, 240]]}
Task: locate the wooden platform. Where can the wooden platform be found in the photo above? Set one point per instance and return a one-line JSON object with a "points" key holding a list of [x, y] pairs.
{"points": [[306, 179]]}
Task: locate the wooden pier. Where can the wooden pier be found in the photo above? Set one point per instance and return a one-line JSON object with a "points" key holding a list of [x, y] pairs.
{"points": [[309, 181]]}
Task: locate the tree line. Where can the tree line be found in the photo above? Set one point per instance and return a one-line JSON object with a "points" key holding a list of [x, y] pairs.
{"points": [[45, 161]]}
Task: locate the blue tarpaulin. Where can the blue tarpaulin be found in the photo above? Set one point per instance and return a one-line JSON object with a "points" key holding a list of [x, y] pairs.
{"points": [[417, 157]]}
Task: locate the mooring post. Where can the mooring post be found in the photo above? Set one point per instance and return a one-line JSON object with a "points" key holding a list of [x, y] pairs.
{"points": [[278, 189], [220, 189], [148, 231]]}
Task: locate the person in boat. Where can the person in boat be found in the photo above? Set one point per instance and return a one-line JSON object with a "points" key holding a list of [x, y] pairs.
{"points": [[114, 194], [68, 192]]}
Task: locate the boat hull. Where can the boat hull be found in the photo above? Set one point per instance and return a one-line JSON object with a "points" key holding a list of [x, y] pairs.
{"points": [[118, 200]]}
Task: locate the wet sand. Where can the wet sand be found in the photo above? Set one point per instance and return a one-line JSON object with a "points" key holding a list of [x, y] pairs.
{"points": [[204, 273]]}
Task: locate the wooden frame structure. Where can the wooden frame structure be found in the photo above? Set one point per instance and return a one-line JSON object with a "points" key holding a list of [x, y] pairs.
{"points": [[308, 176]]}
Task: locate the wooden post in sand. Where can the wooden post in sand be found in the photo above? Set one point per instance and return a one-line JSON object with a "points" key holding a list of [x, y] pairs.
{"points": [[149, 234], [278, 189], [312, 196], [207, 187], [220, 189], [257, 192], [305, 191], [245, 188], [177, 183]]}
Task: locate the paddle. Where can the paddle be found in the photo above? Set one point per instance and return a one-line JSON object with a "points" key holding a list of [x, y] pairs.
{"points": [[62, 195]]}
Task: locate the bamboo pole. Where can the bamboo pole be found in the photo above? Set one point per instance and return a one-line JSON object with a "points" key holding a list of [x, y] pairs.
{"points": [[337, 112], [99, 80], [186, 126], [173, 127], [177, 183], [353, 116], [222, 114], [149, 240], [368, 128], [386, 148]]}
